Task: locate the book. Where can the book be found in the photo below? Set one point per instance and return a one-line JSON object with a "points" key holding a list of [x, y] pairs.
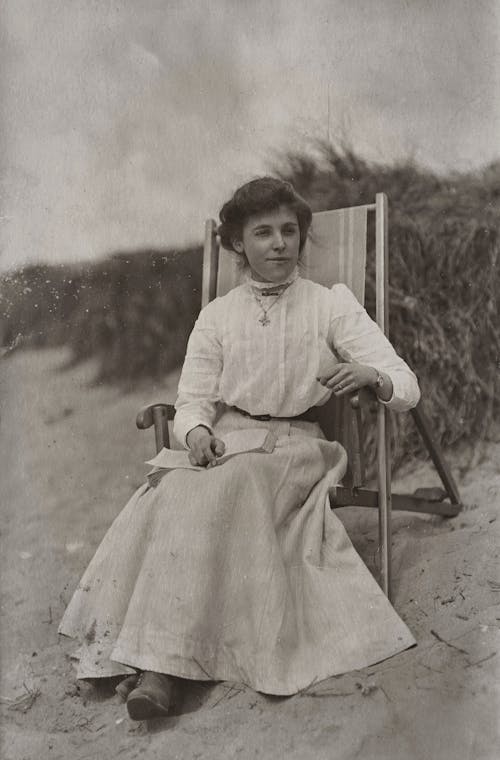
{"points": [[237, 442]]}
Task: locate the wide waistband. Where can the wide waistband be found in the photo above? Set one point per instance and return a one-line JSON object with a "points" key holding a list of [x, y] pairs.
{"points": [[310, 415]]}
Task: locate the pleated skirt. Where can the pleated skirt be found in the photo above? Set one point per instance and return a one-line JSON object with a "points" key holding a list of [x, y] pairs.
{"points": [[239, 573]]}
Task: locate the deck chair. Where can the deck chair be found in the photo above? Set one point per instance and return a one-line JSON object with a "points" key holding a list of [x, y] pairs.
{"points": [[336, 251]]}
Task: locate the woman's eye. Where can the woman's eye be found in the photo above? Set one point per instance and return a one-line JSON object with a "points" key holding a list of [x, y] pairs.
{"points": [[290, 231], [262, 233]]}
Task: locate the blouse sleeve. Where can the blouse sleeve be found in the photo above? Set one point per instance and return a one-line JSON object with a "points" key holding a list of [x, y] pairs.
{"points": [[358, 338], [198, 390]]}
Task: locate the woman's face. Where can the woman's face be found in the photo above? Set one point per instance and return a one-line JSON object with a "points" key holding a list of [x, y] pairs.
{"points": [[271, 244]]}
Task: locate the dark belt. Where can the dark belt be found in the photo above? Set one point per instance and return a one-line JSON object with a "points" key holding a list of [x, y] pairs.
{"points": [[310, 415]]}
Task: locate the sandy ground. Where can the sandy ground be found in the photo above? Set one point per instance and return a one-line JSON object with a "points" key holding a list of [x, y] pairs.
{"points": [[70, 457]]}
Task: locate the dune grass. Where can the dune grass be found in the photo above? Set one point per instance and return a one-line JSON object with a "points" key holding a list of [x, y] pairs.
{"points": [[444, 279], [134, 310]]}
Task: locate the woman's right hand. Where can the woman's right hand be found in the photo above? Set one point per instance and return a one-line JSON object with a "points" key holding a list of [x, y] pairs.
{"points": [[204, 448]]}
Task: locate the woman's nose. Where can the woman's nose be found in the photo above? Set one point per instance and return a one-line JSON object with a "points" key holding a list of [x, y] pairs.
{"points": [[278, 242]]}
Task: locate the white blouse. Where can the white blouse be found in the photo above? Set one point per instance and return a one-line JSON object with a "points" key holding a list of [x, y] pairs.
{"points": [[232, 358]]}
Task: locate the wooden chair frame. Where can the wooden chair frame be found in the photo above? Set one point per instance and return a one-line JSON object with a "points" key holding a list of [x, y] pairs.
{"points": [[344, 422]]}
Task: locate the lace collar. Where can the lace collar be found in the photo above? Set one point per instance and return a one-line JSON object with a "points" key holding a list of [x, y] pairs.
{"points": [[272, 286]]}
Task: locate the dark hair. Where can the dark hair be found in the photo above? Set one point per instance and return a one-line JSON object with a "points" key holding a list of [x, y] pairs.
{"points": [[257, 197]]}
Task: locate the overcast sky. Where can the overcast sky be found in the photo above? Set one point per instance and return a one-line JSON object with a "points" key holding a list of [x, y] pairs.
{"points": [[127, 122]]}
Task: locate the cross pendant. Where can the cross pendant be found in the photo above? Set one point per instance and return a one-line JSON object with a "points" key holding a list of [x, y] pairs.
{"points": [[264, 320]]}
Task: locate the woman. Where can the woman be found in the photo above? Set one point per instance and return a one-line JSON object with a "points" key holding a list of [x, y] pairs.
{"points": [[241, 571]]}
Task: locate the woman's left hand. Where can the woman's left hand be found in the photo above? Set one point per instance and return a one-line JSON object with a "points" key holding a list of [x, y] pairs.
{"points": [[348, 378]]}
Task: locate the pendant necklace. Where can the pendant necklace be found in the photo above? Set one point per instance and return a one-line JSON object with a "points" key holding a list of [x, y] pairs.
{"points": [[276, 291]]}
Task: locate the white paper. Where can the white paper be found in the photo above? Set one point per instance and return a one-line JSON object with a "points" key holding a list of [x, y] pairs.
{"points": [[236, 442]]}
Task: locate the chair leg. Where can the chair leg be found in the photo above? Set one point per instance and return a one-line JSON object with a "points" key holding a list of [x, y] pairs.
{"points": [[383, 432], [384, 500], [434, 450]]}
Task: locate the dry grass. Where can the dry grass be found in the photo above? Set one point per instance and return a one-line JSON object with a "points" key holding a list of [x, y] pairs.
{"points": [[444, 280], [133, 311]]}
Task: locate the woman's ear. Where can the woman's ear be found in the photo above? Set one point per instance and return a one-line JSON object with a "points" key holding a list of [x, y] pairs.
{"points": [[238, 246]]}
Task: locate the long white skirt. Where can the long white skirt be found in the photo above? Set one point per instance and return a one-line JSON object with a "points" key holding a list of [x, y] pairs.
{"points": [[239, 573]]}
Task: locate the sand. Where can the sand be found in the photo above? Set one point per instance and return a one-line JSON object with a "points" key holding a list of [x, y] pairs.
{"points": [[70, 458]]}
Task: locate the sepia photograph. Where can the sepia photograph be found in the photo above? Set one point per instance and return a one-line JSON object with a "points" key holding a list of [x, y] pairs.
{"points": [[249, 384]]}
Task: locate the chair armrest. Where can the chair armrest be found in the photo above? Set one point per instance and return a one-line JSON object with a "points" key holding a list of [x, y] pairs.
{"points": [[146, 415], [364, 397], [159, 416]]}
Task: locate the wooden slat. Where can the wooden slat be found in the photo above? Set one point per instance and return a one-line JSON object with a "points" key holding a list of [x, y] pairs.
{"points": [[357, 451], [382, 262], [162, 437], [360, 497], [210, 263], [384, 504], [383, 432], [434, 450]]}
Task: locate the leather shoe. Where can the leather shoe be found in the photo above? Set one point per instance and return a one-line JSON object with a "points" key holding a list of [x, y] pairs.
{"points": [[124, 688], [153, 696]]}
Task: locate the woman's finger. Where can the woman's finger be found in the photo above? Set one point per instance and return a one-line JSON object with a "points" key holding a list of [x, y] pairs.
{"points": [[201, 459], [347, 388], [203, 452], [218, 447], [332, 373], [208, 454], [342, 378]]}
